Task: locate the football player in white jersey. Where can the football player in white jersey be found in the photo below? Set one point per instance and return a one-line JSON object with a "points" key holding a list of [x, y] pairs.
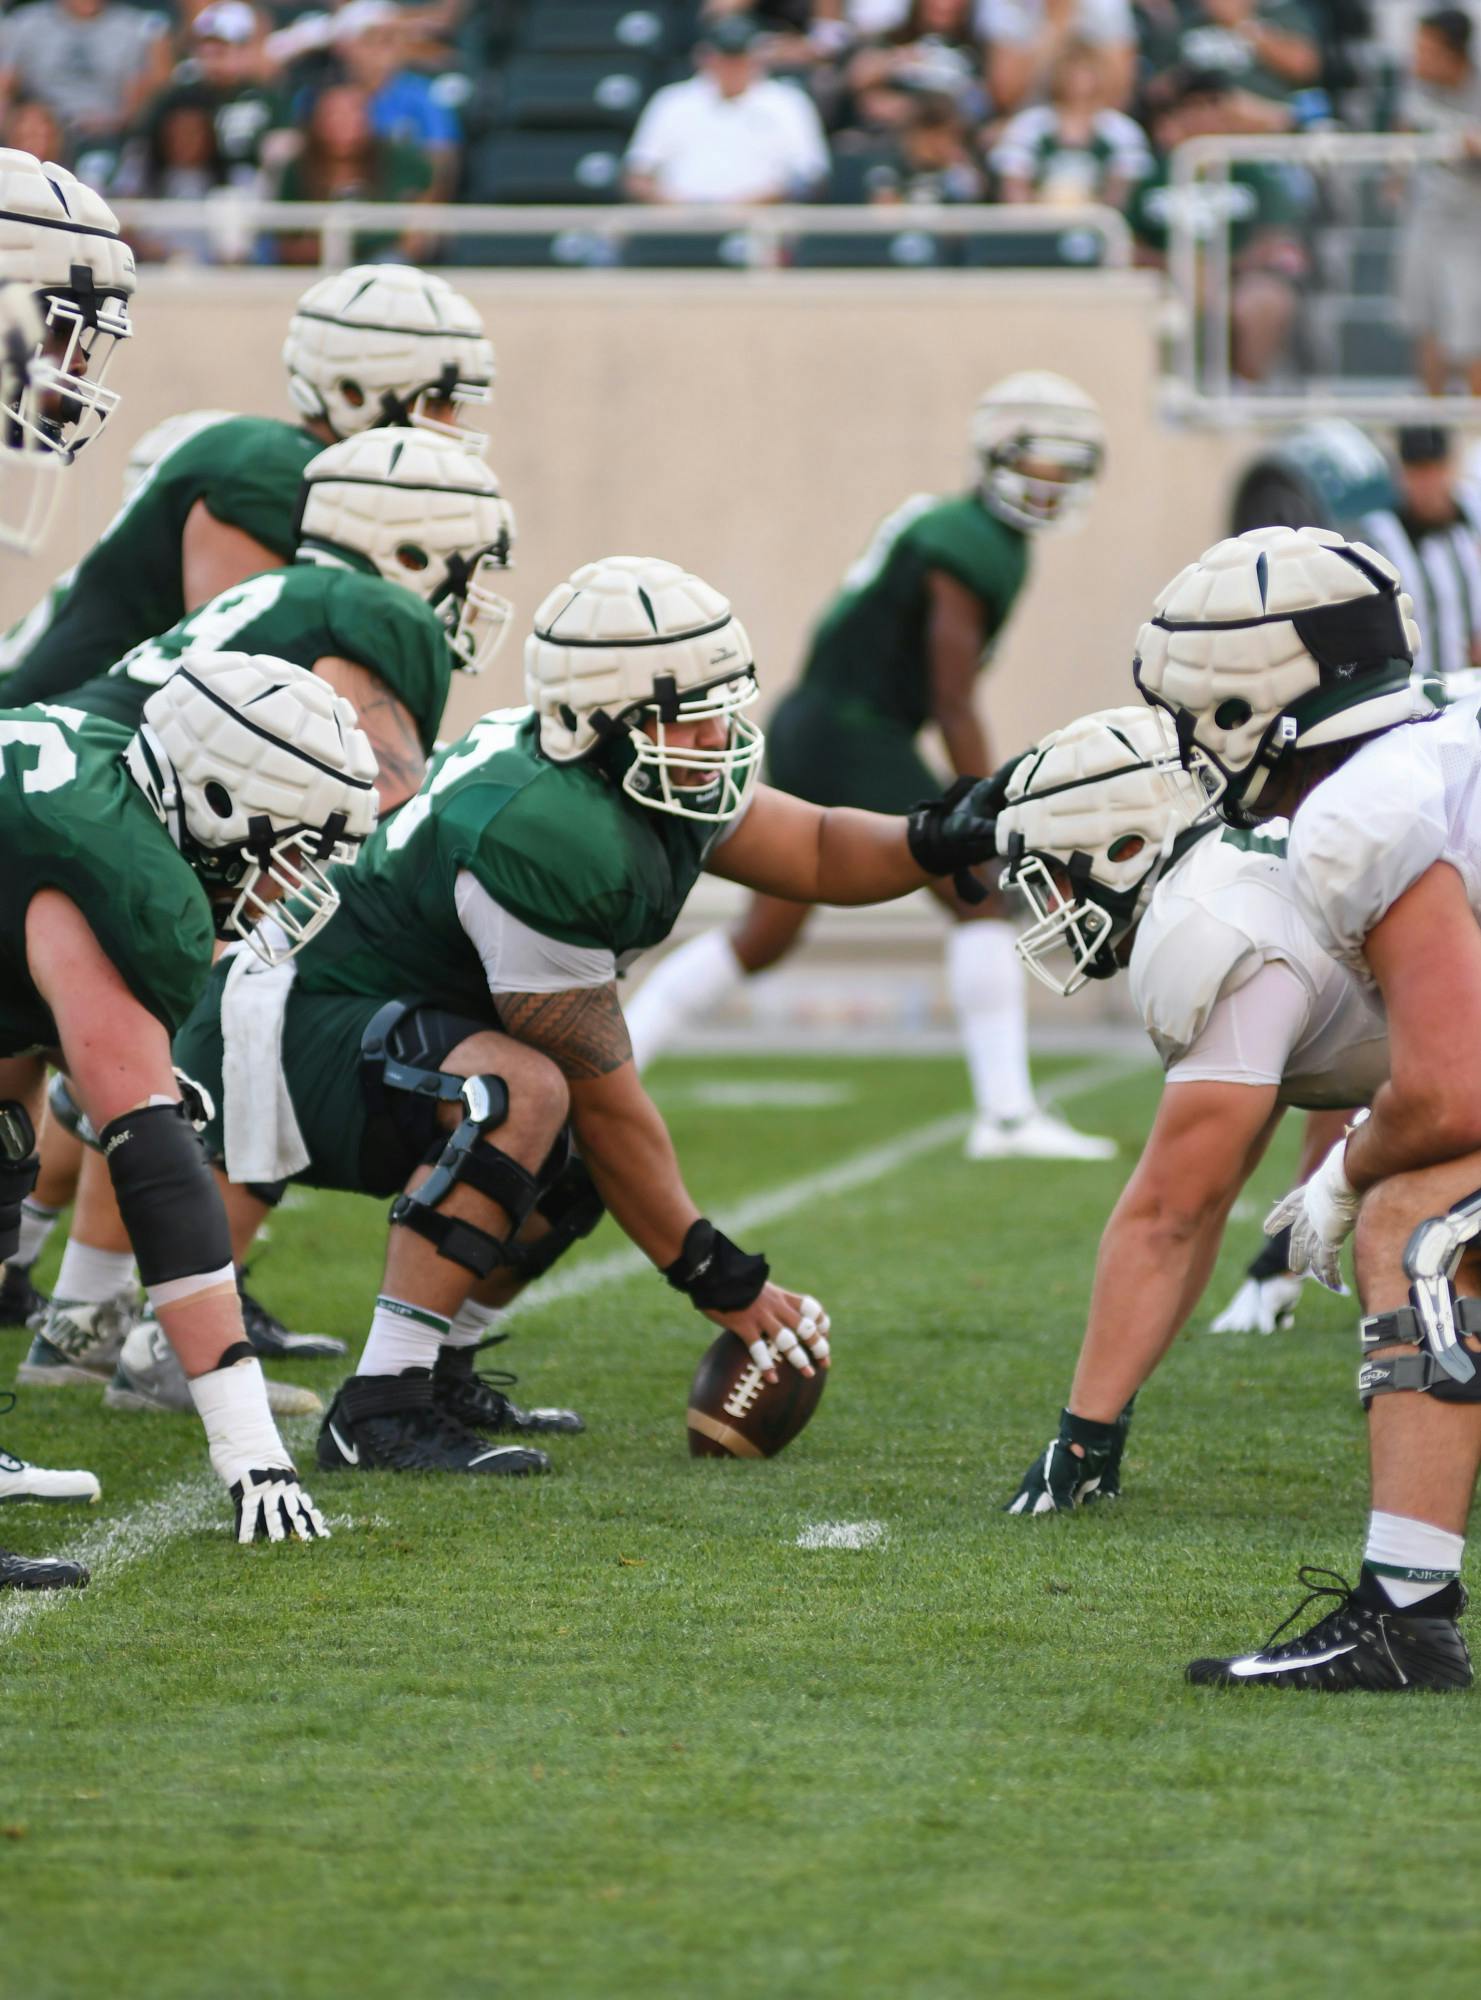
{"points": [[1285, 659], [1111, 844]]}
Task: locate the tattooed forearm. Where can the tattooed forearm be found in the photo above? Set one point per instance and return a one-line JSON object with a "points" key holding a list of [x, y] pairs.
{"points": [[582, 1031], [400, 764]]}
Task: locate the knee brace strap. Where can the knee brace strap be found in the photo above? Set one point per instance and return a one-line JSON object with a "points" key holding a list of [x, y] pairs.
{"points": [[573, 1208], [1421, 1372], [166, 1196], [19, 1166], [465, 1156]]}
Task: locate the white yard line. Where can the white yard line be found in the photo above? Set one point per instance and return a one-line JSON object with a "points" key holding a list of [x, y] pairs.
{"points": [[196, 1502]]}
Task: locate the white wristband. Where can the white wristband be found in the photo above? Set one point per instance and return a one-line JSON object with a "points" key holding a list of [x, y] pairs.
{"points": [[232, 1404]]}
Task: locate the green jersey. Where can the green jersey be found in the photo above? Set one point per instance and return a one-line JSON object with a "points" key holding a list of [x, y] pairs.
{"points": [[869, 653], [129, 587], [558, 848], [303, 614], [72, 818]]}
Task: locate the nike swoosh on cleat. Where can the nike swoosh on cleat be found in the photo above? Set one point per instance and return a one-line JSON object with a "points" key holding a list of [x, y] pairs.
{"points": [[1252, 1664], [351, 1452], [499, 1451]]}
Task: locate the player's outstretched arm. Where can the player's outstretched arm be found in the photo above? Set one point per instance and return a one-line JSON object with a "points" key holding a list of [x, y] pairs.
{"points": [[630, 1156], [214, 555], [400, 762], [816, 854], [1155, 1258]]}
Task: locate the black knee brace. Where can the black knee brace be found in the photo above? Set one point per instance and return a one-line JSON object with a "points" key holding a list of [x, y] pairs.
{"points": [[1389, 1374], [19, 1166], [466, 1157], [571, 1205], [166, 1196]]}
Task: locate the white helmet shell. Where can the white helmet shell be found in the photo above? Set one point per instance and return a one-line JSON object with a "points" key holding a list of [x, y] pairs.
{"points": [[60, 242], [1040, 419], [1103, 800], [161, 439], [633, 639], [1276, 640], [428, 514], [373, 344], [278, 795]]}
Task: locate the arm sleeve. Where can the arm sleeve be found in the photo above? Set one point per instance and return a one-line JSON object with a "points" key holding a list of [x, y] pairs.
{"points": [[1249, 1035], [519, 959]]}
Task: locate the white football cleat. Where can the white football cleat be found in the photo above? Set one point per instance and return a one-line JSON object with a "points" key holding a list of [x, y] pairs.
{"points": [[149, 1377], [19, 1481], [1037, 1136]]}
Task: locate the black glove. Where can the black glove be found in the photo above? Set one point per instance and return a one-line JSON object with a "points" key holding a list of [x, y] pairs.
{"points": [[958, 831], [1061, 1479]]}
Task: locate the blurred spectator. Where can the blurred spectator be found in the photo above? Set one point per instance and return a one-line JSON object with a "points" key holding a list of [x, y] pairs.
{"points": [[1440, 257], [404, 105], [934, 49], [1027, 37], [1075, 148], [729, 133], [228, 65], [94, 62], [1260, 206], [343, 160], [929, 158], [1433, 539], [1268, 49], [33, 127], [175, 158]]}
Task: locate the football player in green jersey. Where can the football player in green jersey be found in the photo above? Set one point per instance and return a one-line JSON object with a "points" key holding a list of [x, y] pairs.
{"points": [[60, 249], [462, 1011], [127, 855], [375, 345], [402, 538], [900, 647]]}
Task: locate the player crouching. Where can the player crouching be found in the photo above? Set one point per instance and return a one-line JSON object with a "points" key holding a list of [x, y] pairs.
{"points": [[1111, 843], [458, 1027], [127, 855]]}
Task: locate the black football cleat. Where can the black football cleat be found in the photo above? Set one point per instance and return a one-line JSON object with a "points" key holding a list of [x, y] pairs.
{"points": [[268, 1336], [1363, 1645], [393, 1423], [39, 1573], [475, 1397], [19, 1298]]}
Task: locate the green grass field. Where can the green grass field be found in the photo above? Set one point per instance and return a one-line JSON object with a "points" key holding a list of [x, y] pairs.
{"points": [[616, 1733]]}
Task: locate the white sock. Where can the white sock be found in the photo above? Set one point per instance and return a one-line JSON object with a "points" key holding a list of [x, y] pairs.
{"points": [[401, 1337], [37, 1223], [90, 1276], [472, 1323], [232, 1404], [988, 992], [1411, 1559], [689, 981]]}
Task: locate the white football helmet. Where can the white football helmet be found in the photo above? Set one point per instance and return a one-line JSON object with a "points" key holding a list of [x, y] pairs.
{"points": [[279, 793], [1094, 813], [60, 242], [426, 513], [162, 439], [1040, 421], [1278, 640], [632, 641], [375, 344]]}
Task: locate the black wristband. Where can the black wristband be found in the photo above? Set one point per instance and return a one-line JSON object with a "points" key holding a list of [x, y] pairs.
{"points": [[1091, 1436], [715, 1274]]}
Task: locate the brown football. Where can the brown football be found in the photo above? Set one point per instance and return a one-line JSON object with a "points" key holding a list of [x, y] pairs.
{"points": [[735, 1413]]}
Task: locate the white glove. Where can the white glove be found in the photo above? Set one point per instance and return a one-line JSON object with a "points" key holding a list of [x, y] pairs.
{"points": [[1261, 1305], [1320, 1216], [272, 1504], [20, 335]]}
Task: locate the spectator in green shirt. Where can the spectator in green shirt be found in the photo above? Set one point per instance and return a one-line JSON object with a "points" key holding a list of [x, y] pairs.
{"points": [[1268, 49], [343, 160]]}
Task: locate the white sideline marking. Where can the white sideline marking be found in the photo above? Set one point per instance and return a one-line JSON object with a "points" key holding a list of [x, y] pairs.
{"points": [[769, 1094], [196, 1501], [842, 1535]]}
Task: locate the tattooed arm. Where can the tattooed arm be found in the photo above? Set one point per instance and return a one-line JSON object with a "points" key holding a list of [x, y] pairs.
{"points": [[400, 763], [623, 1139]]}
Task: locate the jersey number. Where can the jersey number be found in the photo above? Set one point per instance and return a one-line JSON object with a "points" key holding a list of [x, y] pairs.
{"points": [[209, 630], [495, 732], [56, 760]]}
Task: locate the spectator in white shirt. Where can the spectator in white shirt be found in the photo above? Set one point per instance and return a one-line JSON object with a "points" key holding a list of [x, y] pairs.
{"points": [[729, 134], [1027, 37]]}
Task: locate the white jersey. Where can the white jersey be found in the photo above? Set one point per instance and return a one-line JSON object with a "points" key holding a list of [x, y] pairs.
{"points": [[1408, 799], [1220, 916]]}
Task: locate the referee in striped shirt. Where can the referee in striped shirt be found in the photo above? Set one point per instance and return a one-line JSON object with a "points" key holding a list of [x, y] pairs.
{"points": [[1433, 539]]}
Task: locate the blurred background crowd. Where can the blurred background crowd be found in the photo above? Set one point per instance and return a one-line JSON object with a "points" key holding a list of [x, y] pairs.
{"points": [[1058, 103]]}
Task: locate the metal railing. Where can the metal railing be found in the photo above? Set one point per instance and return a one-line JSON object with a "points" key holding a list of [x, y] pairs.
{"points": [[1199, 379], [230, 224]]}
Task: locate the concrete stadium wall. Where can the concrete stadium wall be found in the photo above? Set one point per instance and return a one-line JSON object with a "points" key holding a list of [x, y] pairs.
{"points": [[754, 428]]}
